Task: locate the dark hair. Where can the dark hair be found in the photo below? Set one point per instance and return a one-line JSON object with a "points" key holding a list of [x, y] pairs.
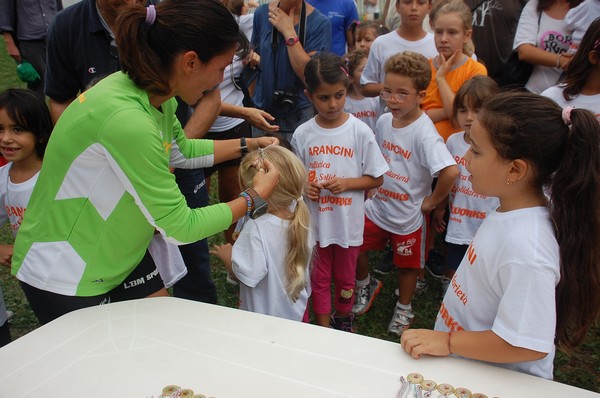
{"points": [[147, 51], [325, 68], [235, 6], [353, 59], [411, 64], [474, 92], [580, 67], [376, 25], [530, 127], [545, 4], [30, 113]]}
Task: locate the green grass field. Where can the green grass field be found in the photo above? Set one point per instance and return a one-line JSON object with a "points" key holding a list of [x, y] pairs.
{"points": [[581, 370]]}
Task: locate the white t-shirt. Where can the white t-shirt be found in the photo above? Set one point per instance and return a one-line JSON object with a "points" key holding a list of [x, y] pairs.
{"points": [[348, 151], [589, 102], [551, 35], [259, 263], [366, 110], [229, 93], [389, 44], [415, 154], [14, 198], [506, 283], [579, 19], [467, 208]]}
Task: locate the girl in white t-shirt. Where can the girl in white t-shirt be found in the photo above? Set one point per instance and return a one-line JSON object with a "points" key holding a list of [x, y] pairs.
{"points": [[271, 255], [543, 40], [343, 160], [467, 208], [366, 109], [530, 278], [580, 87], [25, 127]]}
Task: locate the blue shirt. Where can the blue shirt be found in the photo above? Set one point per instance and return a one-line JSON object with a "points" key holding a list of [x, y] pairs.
{"points": [[276, 69], [341, 13]]}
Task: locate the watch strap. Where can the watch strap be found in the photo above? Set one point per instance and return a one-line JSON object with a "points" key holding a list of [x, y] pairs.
{"points": [[243, 146]]}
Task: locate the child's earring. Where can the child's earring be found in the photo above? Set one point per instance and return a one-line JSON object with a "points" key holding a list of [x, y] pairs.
{"points": [[509, 182]]}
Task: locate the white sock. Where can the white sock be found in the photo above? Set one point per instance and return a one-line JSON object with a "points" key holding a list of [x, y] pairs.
{"points": [[364, 282], [405, 307]]}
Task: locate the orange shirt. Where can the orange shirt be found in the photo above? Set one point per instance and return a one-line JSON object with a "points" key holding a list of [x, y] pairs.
{"points": [[455, 79]]}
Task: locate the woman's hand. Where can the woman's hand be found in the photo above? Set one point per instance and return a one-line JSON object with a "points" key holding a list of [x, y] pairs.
{"points": [[260, 119], [417, 342], [265, 181], [283, 22], [261, 142]]}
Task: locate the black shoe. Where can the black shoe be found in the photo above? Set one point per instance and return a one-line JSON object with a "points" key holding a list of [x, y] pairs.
{"points": [[385, 266], [435, 264]]}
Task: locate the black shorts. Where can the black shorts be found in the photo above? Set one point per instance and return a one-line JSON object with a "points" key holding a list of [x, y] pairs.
{"points": [[239, 131], [143, 281]]}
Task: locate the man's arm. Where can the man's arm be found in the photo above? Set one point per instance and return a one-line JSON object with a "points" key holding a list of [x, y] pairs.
{"points": [[57, 108], [11, 47]]}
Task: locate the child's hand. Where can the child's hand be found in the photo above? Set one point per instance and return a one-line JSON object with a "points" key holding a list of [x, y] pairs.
{"points": [[222, 251], [6, 252], [446, 64], [417, 342], [335, 185], [438, 219], [428, 205], [314, 190]]}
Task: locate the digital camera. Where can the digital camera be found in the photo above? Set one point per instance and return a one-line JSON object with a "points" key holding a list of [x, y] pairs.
{"points": [[285, 100]]}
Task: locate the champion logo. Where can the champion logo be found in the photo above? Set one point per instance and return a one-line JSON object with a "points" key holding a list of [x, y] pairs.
{"points": [[91, 70]]}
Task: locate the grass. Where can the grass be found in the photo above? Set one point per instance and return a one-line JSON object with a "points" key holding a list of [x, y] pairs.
{"points": [[580, 370]]}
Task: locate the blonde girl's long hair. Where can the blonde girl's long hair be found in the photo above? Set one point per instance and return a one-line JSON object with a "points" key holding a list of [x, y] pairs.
{"points": [[287, 195]]}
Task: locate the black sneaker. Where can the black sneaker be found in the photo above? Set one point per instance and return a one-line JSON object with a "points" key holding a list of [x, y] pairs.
{"points": [[435, 264], [343, 324], [385, 266]]}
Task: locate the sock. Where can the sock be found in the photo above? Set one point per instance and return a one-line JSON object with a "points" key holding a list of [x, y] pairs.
{"points": [[405, 307], [364, 282]]}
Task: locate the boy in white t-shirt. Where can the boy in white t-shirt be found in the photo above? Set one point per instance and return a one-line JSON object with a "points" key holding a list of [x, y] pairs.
{"points": [[410, 36], [416, 154]]}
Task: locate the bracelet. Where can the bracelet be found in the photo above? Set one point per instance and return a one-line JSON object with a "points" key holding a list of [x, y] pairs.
{"points": [[558, 61], [249, 202], [449, 339]]}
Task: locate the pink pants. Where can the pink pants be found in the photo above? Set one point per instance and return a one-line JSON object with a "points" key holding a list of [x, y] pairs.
{"points": [[337, 263]]}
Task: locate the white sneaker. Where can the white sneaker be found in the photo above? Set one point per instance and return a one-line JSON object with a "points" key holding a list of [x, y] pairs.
{"points": [[400, 321], [9, 315]]}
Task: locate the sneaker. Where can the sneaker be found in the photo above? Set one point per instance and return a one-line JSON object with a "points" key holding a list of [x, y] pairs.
{"points": [[435, 264], [400, 321], [445, 283], [421, 286], [343, 324], [385, 266], [9, 315], [365, 296]]}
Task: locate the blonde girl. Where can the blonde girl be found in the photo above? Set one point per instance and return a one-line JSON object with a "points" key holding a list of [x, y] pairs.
{"points": [[367, 109], [452, 66], [531, 276], [271, 255]]}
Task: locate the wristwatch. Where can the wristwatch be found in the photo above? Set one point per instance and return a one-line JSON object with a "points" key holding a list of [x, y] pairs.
{"points": [[260, 206], [292, 40], [243, 146]]}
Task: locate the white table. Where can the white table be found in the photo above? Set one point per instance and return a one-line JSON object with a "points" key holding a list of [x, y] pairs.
{"points": [[134, 349]]}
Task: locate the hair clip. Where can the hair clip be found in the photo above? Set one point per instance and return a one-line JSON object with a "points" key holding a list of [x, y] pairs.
{"points": [[344, 70]]}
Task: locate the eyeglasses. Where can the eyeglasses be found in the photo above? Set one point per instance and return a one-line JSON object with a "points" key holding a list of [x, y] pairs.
{"points": [[386, 96]]}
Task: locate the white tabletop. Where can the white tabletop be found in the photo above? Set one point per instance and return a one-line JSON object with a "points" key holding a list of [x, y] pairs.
{"points": [[135, 348]]}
